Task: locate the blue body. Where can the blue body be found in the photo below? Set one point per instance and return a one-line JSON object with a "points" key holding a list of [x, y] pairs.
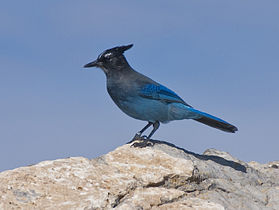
{"points": [[144, 99], [150, 102]]}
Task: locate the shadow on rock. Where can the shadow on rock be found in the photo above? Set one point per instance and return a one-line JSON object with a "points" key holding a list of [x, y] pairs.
{"points": [[150, 142]]}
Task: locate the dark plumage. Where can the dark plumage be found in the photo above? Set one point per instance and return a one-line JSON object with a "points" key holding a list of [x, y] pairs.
{"points": [[144, 99]]}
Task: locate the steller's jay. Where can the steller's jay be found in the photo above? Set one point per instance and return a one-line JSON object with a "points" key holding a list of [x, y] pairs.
{"points": [[144, 99]]}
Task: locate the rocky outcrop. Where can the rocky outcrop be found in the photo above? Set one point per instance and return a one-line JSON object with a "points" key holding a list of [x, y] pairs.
{"points": [[156, 175]]}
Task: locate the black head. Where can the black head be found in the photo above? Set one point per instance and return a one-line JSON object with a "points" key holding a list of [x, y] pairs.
{"points": [[111, 59]]}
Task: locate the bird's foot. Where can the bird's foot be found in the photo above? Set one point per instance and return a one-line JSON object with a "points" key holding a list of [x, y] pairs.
{"points": [[142, 142]]}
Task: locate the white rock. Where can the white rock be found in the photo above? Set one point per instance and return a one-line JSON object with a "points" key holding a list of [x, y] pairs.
{"points": [[158, 177]]}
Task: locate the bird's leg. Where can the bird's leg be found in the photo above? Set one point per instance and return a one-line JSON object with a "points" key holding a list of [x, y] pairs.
{"points": [[155, 127], [145, 141], [138, 134], [145, 127]]}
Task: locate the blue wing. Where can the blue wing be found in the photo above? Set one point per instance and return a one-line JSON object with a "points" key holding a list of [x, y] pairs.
{"points": [[160, 92]]}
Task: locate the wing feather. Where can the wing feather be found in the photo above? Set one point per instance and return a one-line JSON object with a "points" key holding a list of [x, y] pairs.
{"points": [[160, 92]]}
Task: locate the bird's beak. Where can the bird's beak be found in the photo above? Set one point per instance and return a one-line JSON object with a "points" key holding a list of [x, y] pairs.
{"points": [[91, 64]]}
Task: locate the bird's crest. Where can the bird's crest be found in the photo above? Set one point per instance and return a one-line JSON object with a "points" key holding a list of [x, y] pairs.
{"points": [[115, 51], [123, 48]]}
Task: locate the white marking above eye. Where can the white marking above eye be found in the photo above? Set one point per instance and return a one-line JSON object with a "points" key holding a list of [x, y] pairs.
{"points": [[107, 55]]}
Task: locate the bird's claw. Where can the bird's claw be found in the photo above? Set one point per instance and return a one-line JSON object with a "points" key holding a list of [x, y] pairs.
{"points": [[142, 143]]}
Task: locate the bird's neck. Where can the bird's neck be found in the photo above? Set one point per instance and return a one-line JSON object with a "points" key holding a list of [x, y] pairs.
{"points": [[122, 64]]}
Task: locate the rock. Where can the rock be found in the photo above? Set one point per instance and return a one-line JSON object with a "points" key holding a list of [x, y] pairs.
{"points": [[158, 175]]}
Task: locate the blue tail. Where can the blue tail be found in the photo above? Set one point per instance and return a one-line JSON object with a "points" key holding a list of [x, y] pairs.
{"points": [[214, 122]]}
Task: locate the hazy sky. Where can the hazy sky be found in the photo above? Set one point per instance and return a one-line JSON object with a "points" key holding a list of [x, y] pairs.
{"points": [[221, 57]]}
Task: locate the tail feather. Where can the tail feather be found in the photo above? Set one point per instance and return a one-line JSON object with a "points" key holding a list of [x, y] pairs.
{"points": [[215, 122]]}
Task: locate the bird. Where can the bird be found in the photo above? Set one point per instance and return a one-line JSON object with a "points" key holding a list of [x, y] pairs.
{"points": [[142, 98]]}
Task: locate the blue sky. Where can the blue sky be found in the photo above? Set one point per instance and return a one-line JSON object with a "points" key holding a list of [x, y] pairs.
{"points": [[221, 57]]}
